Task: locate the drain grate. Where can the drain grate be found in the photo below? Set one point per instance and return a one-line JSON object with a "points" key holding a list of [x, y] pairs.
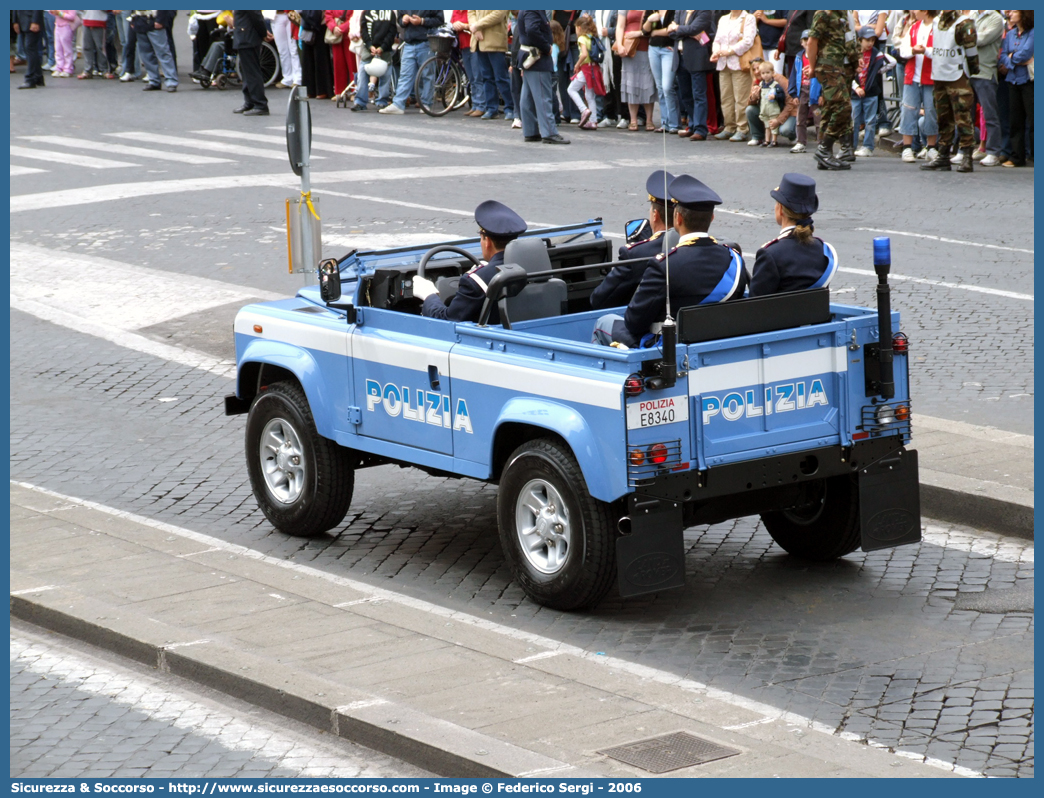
{"points": [[669, 752]]}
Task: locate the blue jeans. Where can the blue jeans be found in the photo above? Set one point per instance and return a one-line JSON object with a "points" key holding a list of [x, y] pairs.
{"points": [[915, 97], [698, 117], [661, 60], [154, 51], [49, 27], [864, 111], [413, 55], [538, 117], [986, 94], [362, 91], [492, 68], [469, 60]]}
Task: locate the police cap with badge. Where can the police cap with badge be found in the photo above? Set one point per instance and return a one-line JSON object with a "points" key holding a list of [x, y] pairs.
{"points": [[648, 245], [687, 191], [797, 193], [497, 220]]}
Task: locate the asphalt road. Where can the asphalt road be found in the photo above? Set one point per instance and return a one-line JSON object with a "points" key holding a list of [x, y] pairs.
{"points": [[879, 643]]}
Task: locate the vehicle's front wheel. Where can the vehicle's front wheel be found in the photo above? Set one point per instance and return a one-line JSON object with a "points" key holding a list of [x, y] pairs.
{"points": [[823, 528], [557, 538], [302, 481]]}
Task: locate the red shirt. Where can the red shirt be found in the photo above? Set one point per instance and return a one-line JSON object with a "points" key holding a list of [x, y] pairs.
{"points": [[463, 36]]}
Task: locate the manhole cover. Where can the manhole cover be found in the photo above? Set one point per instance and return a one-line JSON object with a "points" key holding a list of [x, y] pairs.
{"points": [[669, 752]]}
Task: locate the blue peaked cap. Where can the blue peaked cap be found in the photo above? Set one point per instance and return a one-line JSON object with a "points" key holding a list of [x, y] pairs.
{"points": [[498, 220], [654, 186], [797, 192], [689, 192]]}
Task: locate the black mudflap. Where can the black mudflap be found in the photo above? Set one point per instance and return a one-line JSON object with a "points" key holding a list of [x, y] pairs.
{"points": [[890, 501], [652, 557]]}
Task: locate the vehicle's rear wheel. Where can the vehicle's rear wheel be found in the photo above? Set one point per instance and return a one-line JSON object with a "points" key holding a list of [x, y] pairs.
{"points": [[302, 481], [825, 527], [557, 538]]}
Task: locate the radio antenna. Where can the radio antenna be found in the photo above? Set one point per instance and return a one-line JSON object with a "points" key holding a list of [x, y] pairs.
{"points": [[669, 211]]}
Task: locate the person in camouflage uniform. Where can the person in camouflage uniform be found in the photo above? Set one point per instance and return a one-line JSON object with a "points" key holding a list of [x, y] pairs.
{"points": [[827, 57], [954, 59]]}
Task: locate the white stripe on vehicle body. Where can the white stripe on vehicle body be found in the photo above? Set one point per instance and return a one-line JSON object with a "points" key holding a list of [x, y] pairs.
{"points": [[775, 368], [305, 334], [606, 392]]}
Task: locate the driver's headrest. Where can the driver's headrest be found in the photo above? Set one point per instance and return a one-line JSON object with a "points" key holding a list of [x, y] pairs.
{"points": [[529, 253]]}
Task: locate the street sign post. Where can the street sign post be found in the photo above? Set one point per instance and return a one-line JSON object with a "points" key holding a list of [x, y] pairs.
{"points": [[304, 237]]}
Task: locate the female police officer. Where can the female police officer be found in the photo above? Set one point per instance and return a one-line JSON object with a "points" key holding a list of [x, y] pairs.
{"points": [[795, 259]]}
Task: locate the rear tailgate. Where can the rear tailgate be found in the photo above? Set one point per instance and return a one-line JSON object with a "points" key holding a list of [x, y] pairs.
{"points": [[762, 395]]}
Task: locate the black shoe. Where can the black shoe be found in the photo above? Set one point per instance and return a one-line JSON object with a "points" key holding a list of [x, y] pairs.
{"points": [[555, 139], [846, 155], [941, 163], [152, 87], [966, 163], [256, 112], [355, 107], [533, 138], [199, 75], [27, 86], [242, 109], [172, 89], [825, 158]]}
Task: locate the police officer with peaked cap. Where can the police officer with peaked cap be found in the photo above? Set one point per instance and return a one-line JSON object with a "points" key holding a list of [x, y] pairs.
{"points": [[618, 286], [702, 269], [795, 259], [498, 225]]}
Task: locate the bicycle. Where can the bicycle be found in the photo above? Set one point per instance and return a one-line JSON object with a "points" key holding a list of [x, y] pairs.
{"points": [[451, 89]]}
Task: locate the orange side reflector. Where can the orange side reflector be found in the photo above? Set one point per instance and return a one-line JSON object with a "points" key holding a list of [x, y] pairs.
{"points": [[257, 328]]}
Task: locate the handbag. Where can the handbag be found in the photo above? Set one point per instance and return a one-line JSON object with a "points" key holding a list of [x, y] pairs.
{"points": [[630, 47], [334, 36], [755, 50], [1029, 68]]}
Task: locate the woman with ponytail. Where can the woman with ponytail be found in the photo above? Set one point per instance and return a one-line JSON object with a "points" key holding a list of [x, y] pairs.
{"points": [[795, 259]]}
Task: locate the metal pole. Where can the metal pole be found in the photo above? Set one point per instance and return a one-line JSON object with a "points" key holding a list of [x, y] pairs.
{"points": [[882, 265], [306, 187]]}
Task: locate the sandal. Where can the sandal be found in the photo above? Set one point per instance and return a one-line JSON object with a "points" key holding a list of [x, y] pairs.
{"points": [[650, 129], [84, 76], [654, 129], [633, 127]]}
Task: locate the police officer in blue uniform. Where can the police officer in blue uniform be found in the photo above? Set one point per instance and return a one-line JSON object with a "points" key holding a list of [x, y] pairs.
{"points": [[498, 225], [702, 270], [618, 286], [795, 259]]}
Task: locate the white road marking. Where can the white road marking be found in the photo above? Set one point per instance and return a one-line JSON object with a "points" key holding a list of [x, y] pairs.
{"points": [[150, 695], [65, 158], [615, 664], [396, 141], [124, 149], [209, 146], [121, 191], [961, 241], [27, 591], [942, 284], [967, 430], [340, 149], [537, 657], [25, 170]]}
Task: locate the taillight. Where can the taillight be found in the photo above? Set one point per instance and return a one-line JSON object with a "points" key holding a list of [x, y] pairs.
{"points": [[902, 413], [637, 457], [900, 343], [884, 414], [634, 385], [658, 453]]}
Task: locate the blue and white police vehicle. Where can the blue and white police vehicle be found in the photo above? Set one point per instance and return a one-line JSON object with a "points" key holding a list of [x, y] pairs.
{"points": [[788, 407]]}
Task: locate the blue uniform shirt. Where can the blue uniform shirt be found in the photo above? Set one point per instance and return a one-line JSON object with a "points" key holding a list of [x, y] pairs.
{"points": [[618, 286], [702, 270], [466, 305], [785, 264]]}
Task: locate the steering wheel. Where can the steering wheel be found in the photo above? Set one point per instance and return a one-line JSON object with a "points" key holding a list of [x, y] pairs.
{"points": [[444, 248]]}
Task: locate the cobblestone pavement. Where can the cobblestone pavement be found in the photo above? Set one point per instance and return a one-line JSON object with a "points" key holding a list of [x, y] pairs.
{"points": [[876, 645], [75, 714]]}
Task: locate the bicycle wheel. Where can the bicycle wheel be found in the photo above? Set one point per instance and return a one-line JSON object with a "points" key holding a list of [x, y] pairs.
{"points": [[447, 85], [464, 93], [269, 57]]}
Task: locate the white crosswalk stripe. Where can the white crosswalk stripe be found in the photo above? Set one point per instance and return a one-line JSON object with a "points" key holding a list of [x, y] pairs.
{"points": [[197, 144], [25, 170], [68, 158], [124, 149], [400, 140], [340, 149]]}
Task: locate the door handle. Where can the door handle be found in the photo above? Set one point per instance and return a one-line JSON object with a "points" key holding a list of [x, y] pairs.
{"points": [[433, 377]]}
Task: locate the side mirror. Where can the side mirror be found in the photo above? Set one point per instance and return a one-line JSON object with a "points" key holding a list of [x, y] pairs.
{"points": [[509, 281], [637, 230], [329, 280]]}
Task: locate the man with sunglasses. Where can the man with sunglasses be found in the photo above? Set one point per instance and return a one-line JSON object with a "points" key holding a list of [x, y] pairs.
{"points": [[498, 225]]}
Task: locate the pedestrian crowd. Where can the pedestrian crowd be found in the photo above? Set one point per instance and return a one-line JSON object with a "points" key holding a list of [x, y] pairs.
{"points": [[960, 82]]}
